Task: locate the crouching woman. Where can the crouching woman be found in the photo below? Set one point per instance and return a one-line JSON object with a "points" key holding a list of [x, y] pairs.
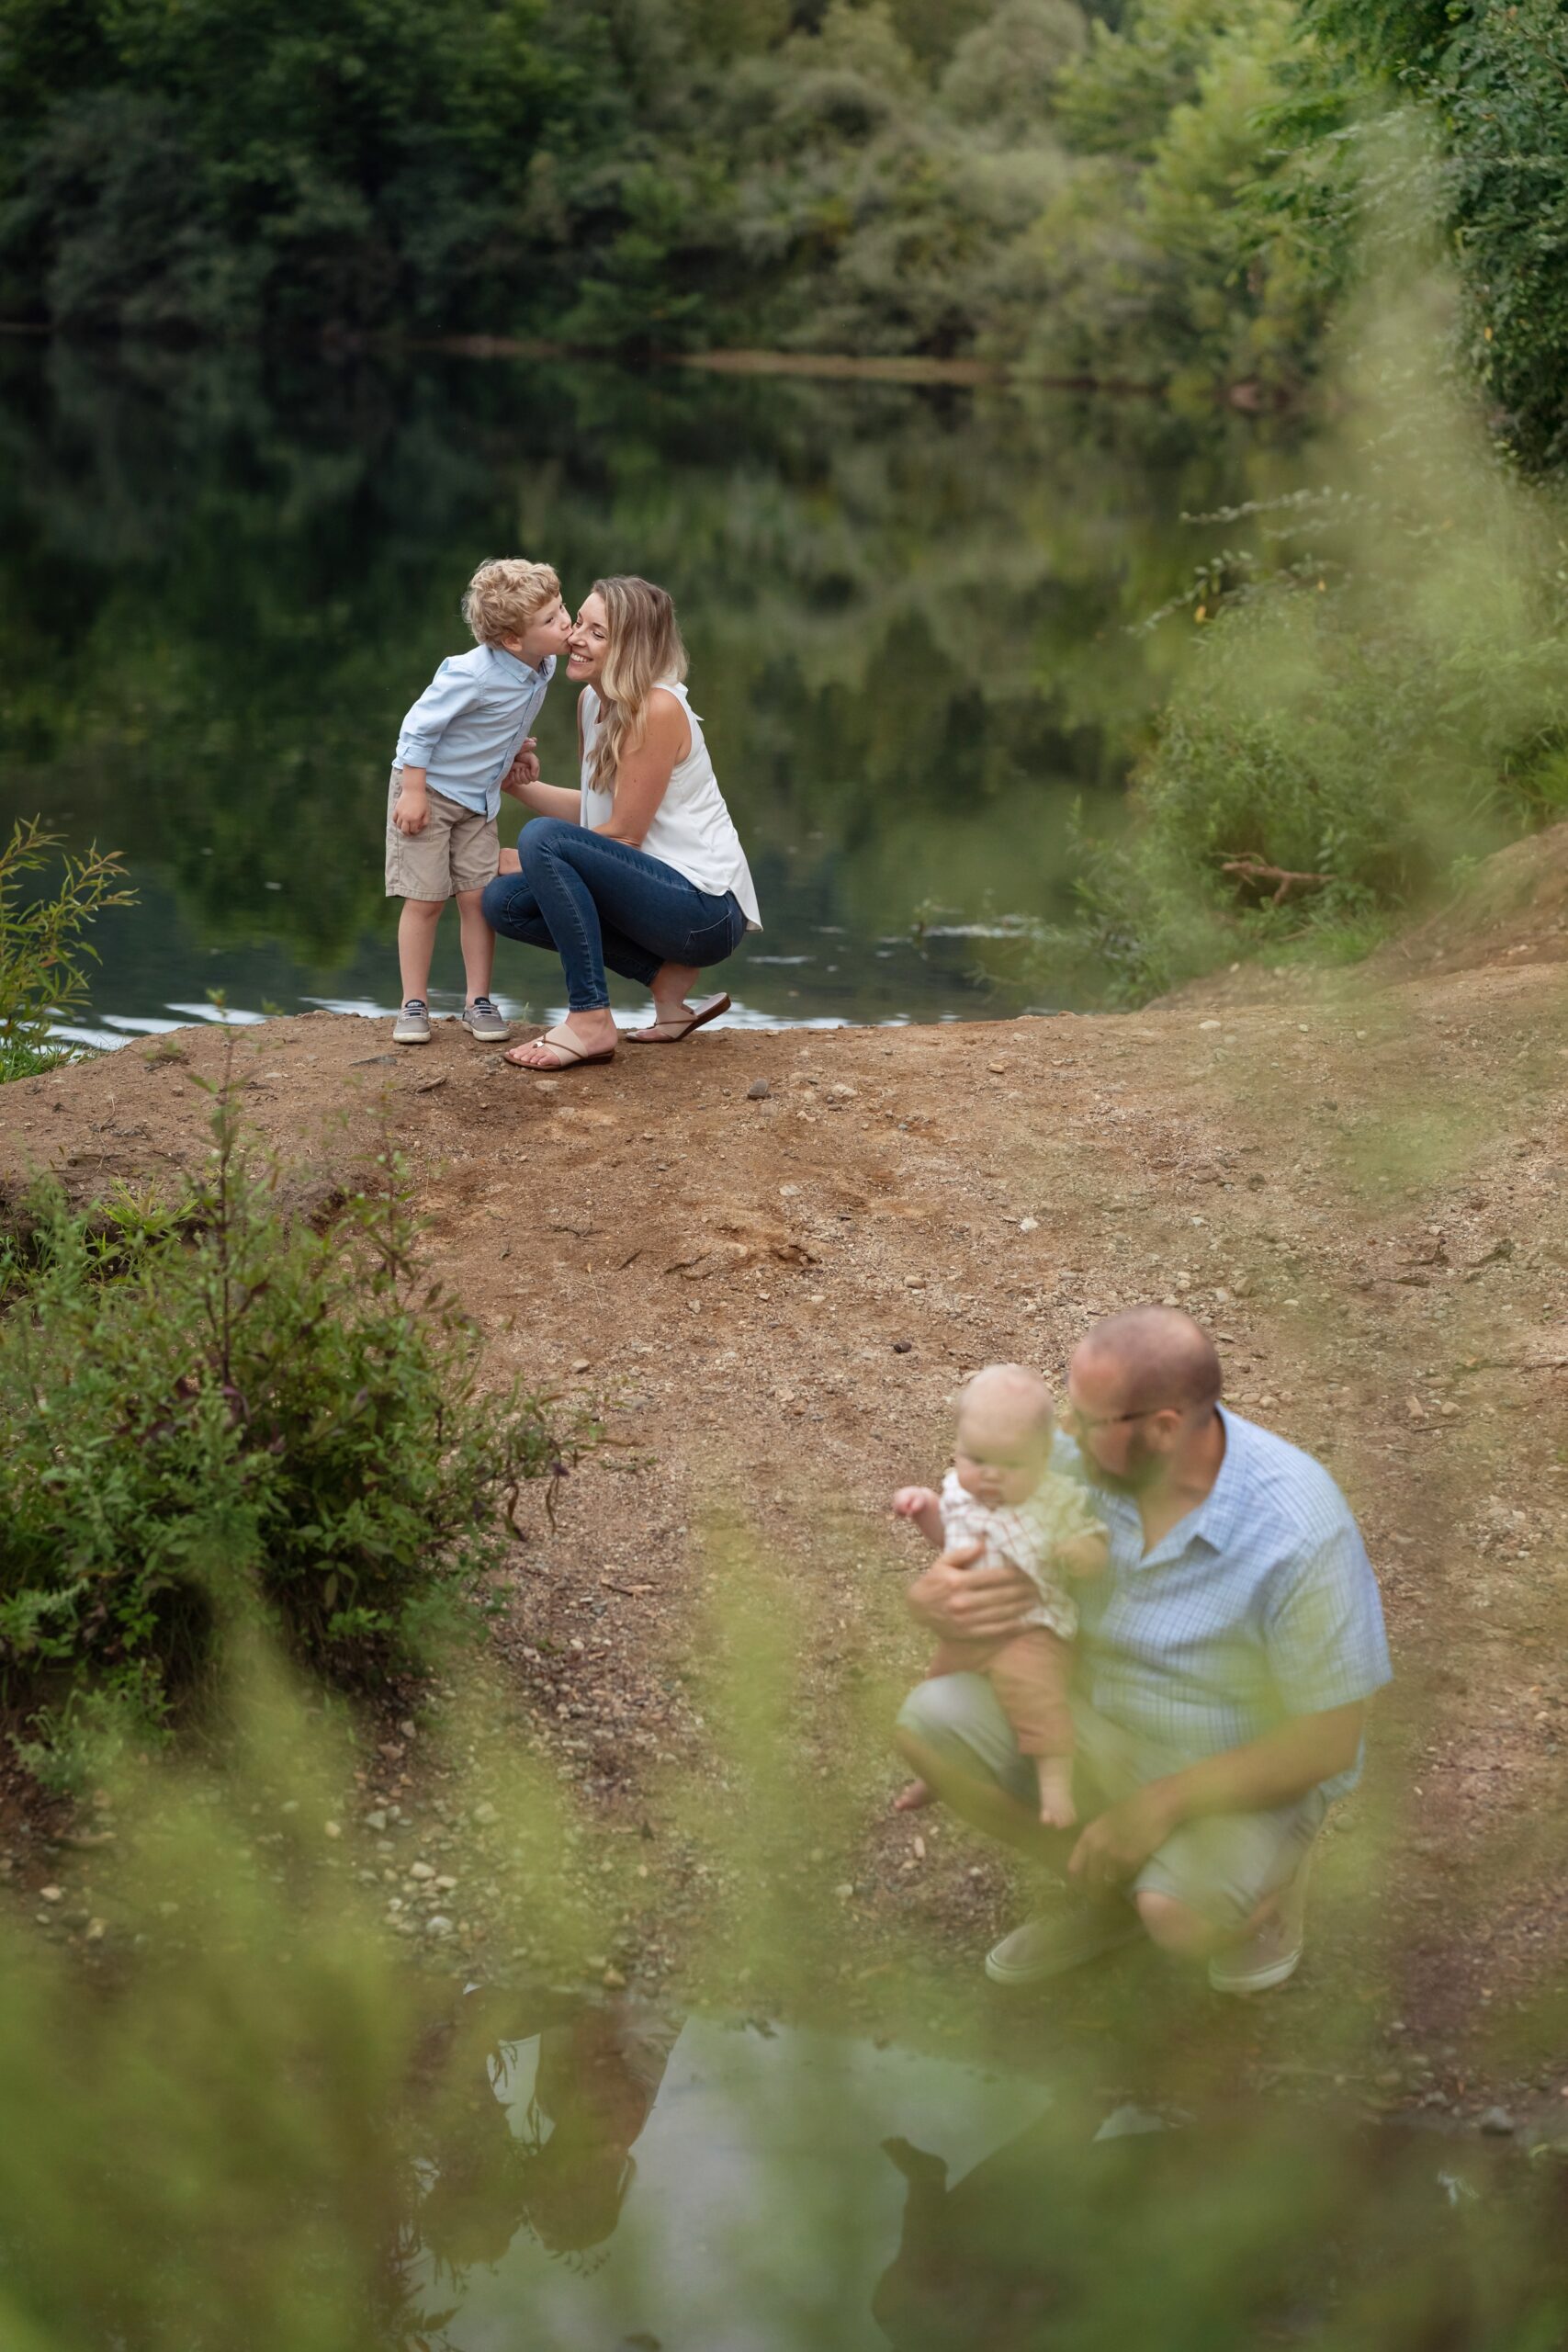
{"points": [[642, 872]]}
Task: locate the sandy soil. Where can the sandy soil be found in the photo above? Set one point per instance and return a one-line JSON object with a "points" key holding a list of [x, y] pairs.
{"points": [[769, 1257]]}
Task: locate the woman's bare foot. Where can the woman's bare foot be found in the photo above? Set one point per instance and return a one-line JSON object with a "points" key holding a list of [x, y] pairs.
{"points": [[914, 1797], [670, 986], [582, 1037], [1056, 1807]]}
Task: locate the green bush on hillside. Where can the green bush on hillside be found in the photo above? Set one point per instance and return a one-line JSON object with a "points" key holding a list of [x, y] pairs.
{"points": [[215, 1414], [1384, 705]]}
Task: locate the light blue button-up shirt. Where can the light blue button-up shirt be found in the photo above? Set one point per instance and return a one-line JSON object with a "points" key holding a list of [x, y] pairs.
{"points": [[470, 722], [1259, 1605]]}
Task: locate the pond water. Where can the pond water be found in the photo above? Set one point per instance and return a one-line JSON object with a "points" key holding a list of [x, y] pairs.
{"points": [[685, 2182], [911, 616], [622, 2178]]}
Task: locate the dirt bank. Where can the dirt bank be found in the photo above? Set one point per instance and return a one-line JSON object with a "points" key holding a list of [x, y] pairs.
{"points": [[770, 1256]]}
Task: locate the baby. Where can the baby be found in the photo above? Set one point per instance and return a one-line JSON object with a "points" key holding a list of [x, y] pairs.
{"points": [[1002, 1494]]}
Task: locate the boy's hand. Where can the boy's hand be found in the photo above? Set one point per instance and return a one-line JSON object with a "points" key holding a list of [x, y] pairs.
{"points": [[411, 813], [510, 862], [525, 769], [910, 1501]]}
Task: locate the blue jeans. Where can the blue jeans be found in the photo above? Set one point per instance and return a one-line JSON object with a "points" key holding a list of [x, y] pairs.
{"points": [[598, 902]]}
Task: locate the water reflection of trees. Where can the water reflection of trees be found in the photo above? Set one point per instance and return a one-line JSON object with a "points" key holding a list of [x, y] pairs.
{"points": [[227, 576], [1232, 2219]]}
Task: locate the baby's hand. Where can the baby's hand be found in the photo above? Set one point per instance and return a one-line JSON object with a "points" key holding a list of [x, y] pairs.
{"points": [[510, 862], [411, 815], [910, 1501], [1085, 1555]]}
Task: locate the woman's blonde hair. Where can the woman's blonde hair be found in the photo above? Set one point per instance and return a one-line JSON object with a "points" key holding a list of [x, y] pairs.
{"points": [[505, 597], [644, 650]]}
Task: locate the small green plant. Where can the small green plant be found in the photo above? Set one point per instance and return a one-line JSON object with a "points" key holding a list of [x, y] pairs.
{"points": [[44, 955], [215, 1414]]}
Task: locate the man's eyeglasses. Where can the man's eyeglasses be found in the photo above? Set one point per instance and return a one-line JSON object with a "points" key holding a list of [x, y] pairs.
{"points": [[1087, 1423]]}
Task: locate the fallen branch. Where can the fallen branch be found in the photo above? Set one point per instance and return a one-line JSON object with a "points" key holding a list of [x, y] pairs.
{"points": [[1247, 866]]}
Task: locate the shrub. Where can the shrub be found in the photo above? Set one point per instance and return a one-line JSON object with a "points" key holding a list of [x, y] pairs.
{"points": [[42, 954], [1384, 705], [214, 1413]]}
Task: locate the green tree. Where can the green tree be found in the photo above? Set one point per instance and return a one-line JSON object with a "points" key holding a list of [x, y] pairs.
{"points": [[228, 167], [1493, 75]]}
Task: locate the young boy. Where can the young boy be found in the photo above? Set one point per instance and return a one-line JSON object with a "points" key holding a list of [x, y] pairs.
{"points": [[454, 747], [1002, 1494]]}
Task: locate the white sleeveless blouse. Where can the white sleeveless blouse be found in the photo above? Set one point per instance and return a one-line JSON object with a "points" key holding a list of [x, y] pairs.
{"points": [[692, 830]]}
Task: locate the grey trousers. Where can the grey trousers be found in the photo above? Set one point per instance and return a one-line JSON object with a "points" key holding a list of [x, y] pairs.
{"points": [[1221, 1867]]}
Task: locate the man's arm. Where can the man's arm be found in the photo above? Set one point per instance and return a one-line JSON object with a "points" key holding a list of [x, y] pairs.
{"points": [[1274, 1770]]}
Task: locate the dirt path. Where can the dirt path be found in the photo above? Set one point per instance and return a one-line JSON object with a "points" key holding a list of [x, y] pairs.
{"points": [[770, 1256]]}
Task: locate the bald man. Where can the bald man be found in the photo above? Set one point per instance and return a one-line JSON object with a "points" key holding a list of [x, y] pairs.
{"points": [[1224, 1663]]}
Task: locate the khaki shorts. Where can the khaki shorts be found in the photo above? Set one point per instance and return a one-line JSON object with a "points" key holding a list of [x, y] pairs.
{"points": [[458, 849]]}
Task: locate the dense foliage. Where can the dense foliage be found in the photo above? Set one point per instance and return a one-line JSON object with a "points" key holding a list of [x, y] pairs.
{"points": [[1492, 76], [1367, 713], [1164, 192], [216, 1414], [1012, 175]]}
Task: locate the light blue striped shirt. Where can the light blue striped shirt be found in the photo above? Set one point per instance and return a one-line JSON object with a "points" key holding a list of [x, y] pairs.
{"points": [[469, 723], [1259, 1605]]}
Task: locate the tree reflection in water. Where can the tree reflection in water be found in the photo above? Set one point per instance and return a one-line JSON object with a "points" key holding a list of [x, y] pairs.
{"points": [[228, 574], [1250, 2223]]}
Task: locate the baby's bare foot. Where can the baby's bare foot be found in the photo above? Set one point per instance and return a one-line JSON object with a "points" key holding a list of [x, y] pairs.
{"points": [[1057, 1806], [914, 1797]]}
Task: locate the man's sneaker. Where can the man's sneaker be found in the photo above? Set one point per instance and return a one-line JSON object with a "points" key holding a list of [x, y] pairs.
{"points": [[1064, 1939], [1272, 1952], [412, 1024], [481, 1020]]}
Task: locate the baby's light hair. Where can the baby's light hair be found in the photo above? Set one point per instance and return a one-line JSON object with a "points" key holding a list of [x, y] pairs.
{"points": [[506, 596], [1018, 1386]]}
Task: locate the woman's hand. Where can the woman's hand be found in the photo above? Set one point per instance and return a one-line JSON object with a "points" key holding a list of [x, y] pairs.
{"points": [[958, 1602]]}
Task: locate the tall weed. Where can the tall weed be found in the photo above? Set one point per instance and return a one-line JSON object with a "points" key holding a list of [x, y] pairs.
{"points": [[43, 957]]}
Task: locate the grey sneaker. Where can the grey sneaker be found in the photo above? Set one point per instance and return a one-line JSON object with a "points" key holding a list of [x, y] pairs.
{"points": [[412, 1026], [481, 1020], [1272, 1952], [1064, 1939]]}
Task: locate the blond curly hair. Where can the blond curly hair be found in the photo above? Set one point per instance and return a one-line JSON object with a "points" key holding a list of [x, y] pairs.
{"points": [[644, 650], [506, 596]]}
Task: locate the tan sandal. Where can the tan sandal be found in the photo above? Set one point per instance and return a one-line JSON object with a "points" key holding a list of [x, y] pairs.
{"points": [[679, 1030], [558, 1041]]}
